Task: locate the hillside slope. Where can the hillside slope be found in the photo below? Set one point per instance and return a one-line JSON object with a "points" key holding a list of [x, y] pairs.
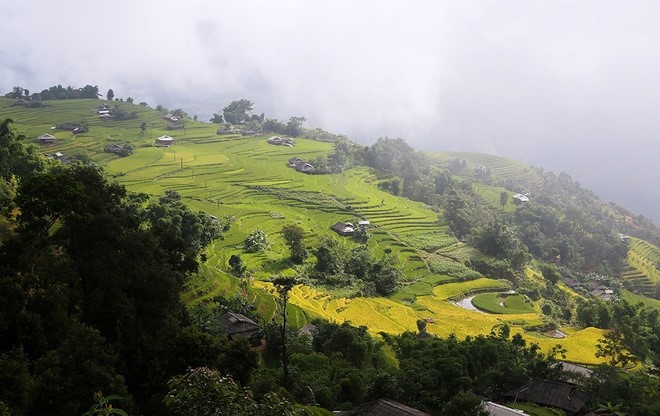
{"points": [[247, 179]]}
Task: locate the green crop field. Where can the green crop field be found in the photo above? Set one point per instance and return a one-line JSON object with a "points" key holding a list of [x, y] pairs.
{"points": [[635, 299], [505, 304], [642, 272], [247, 179]]}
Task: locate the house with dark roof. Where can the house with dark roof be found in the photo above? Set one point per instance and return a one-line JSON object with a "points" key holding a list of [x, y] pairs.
{"points": [[293, 161], [45, 139], [238, 325], [382, 407], [281, 141], [113, 148], [564, 396], [171, 118], [305, 167], [343, 229]]}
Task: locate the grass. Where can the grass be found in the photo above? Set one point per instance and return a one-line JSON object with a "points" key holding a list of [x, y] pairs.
{"points": [[635, 299]]}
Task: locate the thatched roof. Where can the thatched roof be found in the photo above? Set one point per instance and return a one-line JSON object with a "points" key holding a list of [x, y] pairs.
{"points": [[383, 407], [550, 393]]}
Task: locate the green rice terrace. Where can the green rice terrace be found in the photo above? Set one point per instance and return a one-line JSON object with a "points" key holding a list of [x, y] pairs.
{"points": [[248, 179]]}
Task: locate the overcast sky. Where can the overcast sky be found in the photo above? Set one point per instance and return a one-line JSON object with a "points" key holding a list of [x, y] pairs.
{"points": [[571, 86]]}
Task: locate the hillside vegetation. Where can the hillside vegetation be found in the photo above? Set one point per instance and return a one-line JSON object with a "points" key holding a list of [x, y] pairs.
{"points": [[440, 247], [246, 180]]}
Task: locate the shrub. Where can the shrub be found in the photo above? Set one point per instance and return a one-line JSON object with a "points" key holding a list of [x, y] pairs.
{"points": [[256, 241]]}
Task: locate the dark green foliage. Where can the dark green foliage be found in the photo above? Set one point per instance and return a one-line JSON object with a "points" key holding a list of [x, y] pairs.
{"points": [[69, 93], [334, 266], [637, 392], [236, 266], [16, 158], [120, 114], [294, 238], [634, 335], [499, 240], [91, 277], [294, 126], [238, 112], [329, 257], [62, 386], [465, 403], [110, 95], [274, 126], [206, 392], [104, 405]]}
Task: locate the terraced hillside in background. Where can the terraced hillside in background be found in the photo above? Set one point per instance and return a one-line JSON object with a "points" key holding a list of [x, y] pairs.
{"points": [[642, 272], [247, 179], [502, 170]]}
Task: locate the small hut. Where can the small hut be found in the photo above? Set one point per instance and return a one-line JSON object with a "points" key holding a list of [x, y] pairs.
{"points": [[165, 141]]}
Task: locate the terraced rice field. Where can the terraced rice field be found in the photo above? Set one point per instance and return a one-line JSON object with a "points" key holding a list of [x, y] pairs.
{"points": [[247, 179], [642, 272], [502, 169]]}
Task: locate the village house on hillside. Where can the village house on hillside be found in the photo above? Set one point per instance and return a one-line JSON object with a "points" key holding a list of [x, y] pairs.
{"points": [[46, 139], [343, 229], [300, 165], [171, 118], [281, 141], [557, 394], [238, 325], [165, 141], [113, 148], [382, 407], [227, 129], [520, 198], [60, 157]]}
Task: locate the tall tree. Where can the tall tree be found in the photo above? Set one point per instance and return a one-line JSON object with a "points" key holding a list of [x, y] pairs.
{"points": [[238, 112], [110, 95], [294, 126], [294, 238], [284, 286]]}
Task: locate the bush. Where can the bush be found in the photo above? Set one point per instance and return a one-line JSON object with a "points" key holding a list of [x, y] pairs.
{"points": [[256, 241]]}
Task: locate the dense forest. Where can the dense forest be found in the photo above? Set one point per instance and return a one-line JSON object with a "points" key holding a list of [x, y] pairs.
{"points": [[91, 278]]}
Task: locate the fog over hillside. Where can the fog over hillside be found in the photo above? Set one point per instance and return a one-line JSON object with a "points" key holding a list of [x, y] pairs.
{"points": [[566, 85]]}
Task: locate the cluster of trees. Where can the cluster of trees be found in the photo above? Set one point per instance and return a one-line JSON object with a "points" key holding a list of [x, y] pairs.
{"points": [[340, 366], [634, 335], [563, 222], [336, 266], [56, 92], [241, 112], [92, 274]]}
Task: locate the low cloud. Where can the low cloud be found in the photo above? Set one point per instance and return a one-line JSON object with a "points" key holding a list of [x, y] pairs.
{"points": [[565, 85]]}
